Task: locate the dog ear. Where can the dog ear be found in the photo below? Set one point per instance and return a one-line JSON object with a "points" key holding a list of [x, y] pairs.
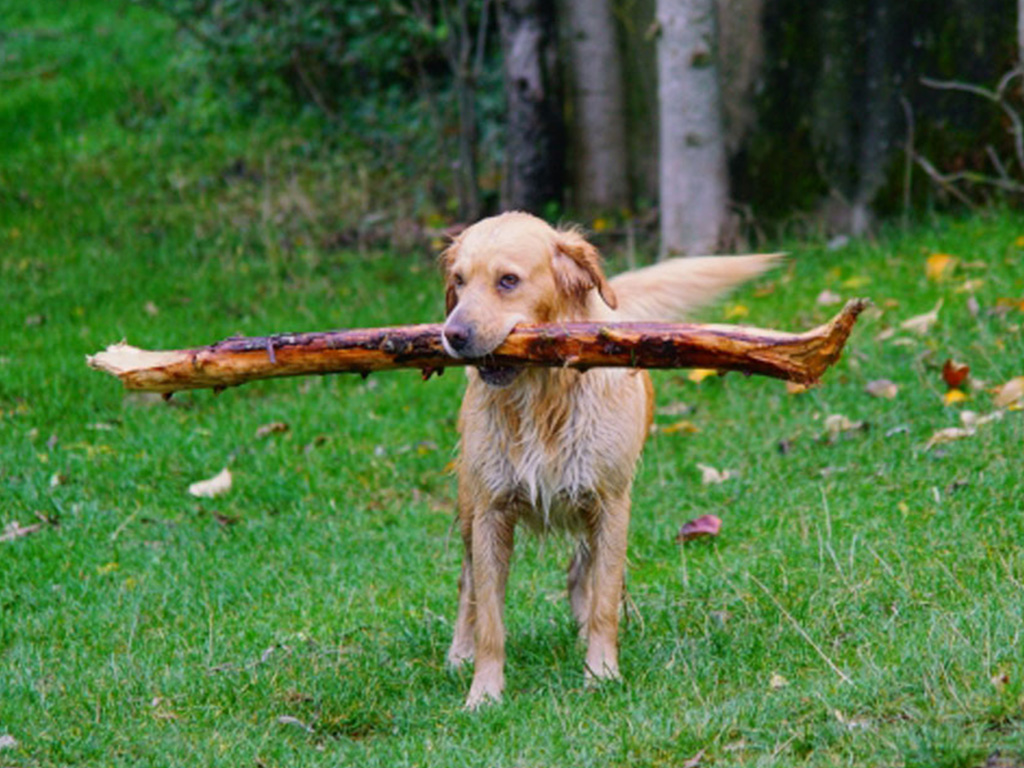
{"points": [[578, 268], [445, 262]]}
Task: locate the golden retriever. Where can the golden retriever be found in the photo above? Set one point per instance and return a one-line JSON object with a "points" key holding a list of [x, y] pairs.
{"points": [[554, 449]]}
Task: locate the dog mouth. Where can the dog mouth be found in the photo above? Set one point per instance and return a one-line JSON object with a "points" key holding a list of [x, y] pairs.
{"points": [[498, 376]]}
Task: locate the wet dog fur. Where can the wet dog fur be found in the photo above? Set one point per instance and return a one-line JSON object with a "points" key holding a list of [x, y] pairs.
{"points": [[552, 449]]}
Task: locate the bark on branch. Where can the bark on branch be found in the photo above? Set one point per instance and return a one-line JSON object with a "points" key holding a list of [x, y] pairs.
{"points": [[799, 357]]}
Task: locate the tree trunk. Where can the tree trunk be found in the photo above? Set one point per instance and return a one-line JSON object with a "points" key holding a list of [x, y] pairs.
{"points": [[693, 175], [1020, 33], [599, 161], [800, 357], [534, 142]]}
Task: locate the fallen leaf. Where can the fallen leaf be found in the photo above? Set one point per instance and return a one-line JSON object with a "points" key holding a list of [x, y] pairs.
{"points": [[852, 723], [15, 530], [694, 761], [836, 424], [9, 742], [857, 281], [954, 373], [697, 375], [684, 426], [1010, 392], [922, 323], [882, 388], [885, 334], [777, 681], [947, 435], [678, 408], [1005, 304], [272, 428], [971, 420], [711, 476], [939, 266], [289, 720], [793, 388], [705, 525], [827, 298], [970, 286], [226, 520], [973, 306], [736, 311], [213, 486], [151, 309], [953, 397]]}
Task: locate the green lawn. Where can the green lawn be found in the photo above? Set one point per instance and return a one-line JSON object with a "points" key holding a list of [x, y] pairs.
{"points": [[863, 604]]}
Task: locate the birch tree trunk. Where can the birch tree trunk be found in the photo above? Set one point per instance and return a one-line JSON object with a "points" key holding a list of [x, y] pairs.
{"points": [[534, 142], [693, 186], [599, 158]]}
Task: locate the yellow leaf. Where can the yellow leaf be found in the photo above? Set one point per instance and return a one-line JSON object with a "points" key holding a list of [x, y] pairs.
{"points": [[697, 375], [954, 396], [734, 311], [857, 281], [1019, 242], [684, 426], [939, 266], [107, 568], [600, 224]]}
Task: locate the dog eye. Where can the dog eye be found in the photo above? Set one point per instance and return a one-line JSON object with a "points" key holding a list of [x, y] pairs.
{"points": [[459, 281], [508, 282]]}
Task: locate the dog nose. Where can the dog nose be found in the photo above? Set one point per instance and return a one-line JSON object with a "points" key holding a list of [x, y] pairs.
{"points": [[457, 335]]}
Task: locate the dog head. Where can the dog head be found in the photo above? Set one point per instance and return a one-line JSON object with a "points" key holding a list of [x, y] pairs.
{"points": [[510, 269]]}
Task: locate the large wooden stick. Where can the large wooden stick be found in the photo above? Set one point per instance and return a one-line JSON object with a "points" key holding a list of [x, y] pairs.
{"points": [[802, 357]]}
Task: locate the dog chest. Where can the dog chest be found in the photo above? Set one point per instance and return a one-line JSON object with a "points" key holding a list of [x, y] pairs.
{"points": [[555, 450]]}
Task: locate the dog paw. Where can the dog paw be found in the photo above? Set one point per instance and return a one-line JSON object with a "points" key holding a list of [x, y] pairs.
{"points": [[600, 671], [458, 658], [486, 688]]}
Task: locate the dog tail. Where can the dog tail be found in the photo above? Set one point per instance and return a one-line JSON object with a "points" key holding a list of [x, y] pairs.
{"points": [[671, 289]]}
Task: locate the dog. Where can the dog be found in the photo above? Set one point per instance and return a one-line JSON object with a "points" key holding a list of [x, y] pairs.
{"points": [[552, 448]]}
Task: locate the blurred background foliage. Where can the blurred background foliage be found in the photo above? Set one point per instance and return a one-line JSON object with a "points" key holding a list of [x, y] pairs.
{"points": [[824, 107]]}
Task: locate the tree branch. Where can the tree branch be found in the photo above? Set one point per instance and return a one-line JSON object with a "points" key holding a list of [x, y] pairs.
{"points": [[794, 357]]}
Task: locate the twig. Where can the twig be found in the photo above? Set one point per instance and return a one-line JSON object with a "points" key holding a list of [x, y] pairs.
{"points": [[941, 180], [1000, 168], [995, 96], [803, 633]]}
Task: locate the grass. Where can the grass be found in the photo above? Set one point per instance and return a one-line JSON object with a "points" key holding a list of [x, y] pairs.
{"points": [[302, 619]]}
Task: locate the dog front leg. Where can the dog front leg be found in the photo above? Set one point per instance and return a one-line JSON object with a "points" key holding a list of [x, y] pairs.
{"points": [[461, 649], [607, 572], [492, 541]]}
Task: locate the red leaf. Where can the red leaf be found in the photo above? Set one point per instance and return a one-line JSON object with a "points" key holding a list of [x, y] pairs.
{"points": [[705, 525], [954, 373]]}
